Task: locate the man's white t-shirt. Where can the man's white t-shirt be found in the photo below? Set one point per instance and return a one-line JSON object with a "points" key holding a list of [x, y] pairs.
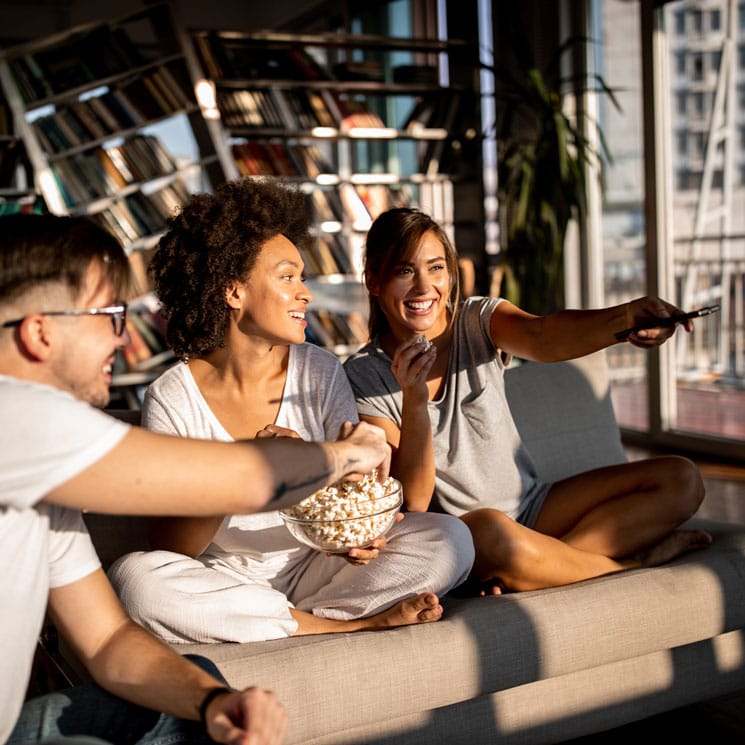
{"points": [[47, 437]]}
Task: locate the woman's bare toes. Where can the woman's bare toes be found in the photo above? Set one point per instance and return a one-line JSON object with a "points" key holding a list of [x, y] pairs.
{"points": [[423, 608], [676, 544]]}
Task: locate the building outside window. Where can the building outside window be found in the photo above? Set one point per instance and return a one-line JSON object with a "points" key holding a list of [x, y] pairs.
{"points": [[699, 203]]}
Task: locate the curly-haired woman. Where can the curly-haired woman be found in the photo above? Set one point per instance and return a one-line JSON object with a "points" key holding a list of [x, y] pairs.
{"points": [[229, 276]]}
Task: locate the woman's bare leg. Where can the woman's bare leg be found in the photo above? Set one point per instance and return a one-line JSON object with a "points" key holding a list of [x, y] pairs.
{"points": [[602, 521], [621, 510], [423, 608], [523, 559], [513, 557]]}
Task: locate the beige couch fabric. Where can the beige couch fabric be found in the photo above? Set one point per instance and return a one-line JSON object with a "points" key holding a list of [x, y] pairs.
{"points": [[527, 667]]}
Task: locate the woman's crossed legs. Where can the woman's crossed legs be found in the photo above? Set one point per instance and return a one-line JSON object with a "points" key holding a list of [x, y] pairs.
{"points": [[597, 522]]}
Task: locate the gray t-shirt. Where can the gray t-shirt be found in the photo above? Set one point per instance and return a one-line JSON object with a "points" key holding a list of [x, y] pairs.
{"points": [[479, 457]]}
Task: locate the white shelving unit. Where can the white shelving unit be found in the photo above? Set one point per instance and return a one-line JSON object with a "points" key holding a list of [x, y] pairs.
{"points": [[360, 122], [94, 106]]}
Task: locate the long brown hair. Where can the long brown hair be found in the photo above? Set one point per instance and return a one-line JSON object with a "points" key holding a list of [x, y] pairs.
{"points": [[393, 237]]}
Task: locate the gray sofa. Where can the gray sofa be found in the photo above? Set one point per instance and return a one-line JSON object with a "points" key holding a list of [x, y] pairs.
{"points": [[533, 667]]}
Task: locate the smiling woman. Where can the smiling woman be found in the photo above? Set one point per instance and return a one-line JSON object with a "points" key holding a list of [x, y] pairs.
{"points": [[230, 277], [432, 377], [213, 245]]}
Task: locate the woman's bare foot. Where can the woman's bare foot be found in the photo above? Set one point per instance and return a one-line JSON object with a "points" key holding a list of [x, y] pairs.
{"points": [[677, 543], [491, 588], [423, 608]]}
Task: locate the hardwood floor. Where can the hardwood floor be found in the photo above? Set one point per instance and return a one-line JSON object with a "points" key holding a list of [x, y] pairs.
{"points": [[720, 721]]}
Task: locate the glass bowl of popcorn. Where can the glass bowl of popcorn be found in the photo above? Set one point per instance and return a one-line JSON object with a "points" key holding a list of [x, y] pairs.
{"points": [[346, 514]]}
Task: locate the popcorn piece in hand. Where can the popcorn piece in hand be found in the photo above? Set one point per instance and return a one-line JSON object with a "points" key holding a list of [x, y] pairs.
{"points": [[424, 341]]}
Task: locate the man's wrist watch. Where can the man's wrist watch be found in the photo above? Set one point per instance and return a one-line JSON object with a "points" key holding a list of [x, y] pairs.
{"points": [[209, 697]]}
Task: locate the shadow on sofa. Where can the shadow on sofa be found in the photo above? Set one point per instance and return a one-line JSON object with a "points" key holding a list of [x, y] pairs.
{"points": [[532, 667], [627, 647]]}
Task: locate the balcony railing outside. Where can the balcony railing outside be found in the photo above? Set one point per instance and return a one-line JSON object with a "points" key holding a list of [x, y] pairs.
{"points": [[710, 362]]}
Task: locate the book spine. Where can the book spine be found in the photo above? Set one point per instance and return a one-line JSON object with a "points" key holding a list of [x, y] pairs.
{"points": [[88, 120], [100, 108]]}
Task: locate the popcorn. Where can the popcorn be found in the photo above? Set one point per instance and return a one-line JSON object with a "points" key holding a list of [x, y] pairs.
{"points": [[346, 514], [423, 340]]}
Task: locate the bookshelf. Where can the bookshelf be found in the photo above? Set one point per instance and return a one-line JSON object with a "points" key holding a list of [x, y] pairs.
{"points": [[361, 123], [95, 106], [17, 193], [97, 110]]}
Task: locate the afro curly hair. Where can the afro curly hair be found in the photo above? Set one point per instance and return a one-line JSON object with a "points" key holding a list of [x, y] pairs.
{"points": [[215, 241]]}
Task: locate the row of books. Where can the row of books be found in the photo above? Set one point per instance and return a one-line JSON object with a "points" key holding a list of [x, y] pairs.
{"points": [[229, 58], [270, 158], [437, 115], [293, 110], [133, 103], [29, 204], [353, 113], [81, 59], [330, 329], [273, 108], [87, 176], [356, 204], [431, 112], [326, 255], [139, 214], [92, 54], [147, 346]]}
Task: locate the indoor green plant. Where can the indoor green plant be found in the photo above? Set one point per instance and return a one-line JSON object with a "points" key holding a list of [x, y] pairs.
{"points": [[543, 158]]}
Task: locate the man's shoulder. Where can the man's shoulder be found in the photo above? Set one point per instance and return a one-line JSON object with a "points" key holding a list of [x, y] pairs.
{"points": [[19, 391], [48, 436]]}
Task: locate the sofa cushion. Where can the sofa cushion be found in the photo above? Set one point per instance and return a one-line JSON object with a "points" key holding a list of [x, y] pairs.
{"points": [[484, 645], [564, 414]]}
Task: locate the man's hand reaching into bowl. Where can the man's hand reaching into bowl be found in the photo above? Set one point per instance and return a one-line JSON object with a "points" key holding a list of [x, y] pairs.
{"points": [[361, 448]]}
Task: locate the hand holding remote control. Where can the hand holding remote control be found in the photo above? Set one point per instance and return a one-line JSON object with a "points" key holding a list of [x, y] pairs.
{"points": [[654, 323]]}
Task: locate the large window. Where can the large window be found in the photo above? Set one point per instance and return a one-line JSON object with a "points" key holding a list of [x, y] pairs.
{"points": [[674, 212]]}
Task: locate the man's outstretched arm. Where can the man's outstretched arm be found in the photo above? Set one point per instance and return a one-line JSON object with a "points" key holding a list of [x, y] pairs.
{"points": [[155, 474]]}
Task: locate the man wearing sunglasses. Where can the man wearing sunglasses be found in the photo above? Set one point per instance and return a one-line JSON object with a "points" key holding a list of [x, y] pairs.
{"points": [[62, 321]]}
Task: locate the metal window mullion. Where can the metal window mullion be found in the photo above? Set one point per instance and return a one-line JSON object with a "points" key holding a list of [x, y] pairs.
{"points": [[658, 206]]}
